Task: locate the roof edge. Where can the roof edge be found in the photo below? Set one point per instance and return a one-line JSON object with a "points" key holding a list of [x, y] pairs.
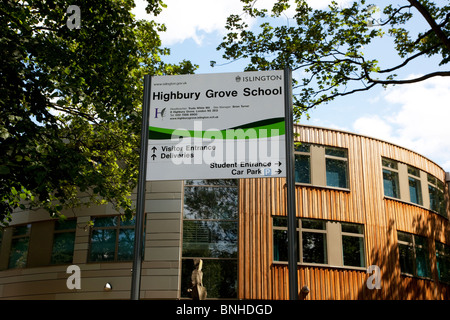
{"points": [[373, 138]]}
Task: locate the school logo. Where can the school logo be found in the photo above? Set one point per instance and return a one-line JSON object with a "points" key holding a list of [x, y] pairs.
{"points": [[159, 113]]}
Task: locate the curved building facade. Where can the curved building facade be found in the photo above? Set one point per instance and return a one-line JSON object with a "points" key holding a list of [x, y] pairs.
{"points": [[372, 223]]}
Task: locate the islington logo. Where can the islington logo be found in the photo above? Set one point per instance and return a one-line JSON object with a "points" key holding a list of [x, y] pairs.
{"points": [[259, 78]]}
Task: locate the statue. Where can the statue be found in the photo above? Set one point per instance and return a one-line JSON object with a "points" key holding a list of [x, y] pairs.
{"points": [[198, 291]]}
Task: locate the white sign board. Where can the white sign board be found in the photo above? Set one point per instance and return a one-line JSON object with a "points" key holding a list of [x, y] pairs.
{"points": [[217, 126]]}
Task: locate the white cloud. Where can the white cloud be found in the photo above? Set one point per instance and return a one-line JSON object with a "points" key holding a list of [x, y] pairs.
{"points": [[420, 122], [194, 18], [191, 19], [373, 126]]}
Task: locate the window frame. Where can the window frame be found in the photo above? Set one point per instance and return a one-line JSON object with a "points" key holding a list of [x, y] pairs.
{"points": [[391, 170], [61, 231], [438, 186], [343, 159], [117, 228], [413, 246], [315, 231], [442, 253], [299, 153], [333, 234], [416, 177], [234, 260], [359, 235], [27, 234]]}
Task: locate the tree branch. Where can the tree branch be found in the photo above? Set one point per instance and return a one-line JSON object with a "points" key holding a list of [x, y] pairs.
{"points": [[422, 78], [404, 63], [434, 26]]}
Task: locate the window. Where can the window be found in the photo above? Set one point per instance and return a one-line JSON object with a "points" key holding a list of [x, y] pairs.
{"points": [[321, 242], [302, 164], [63, 242], [19, 246], [352, 244], [314, 241], [443, 261], [436, 192], [390, 178], [415, 188], [210, 232], [413, 251], [280, 239], [112, 239], [336, 167]]}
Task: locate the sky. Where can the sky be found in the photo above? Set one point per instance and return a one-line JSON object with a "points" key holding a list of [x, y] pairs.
{"points": [[414, 116]]}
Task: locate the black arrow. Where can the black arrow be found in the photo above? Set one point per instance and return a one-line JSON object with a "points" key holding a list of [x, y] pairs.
{"points": [[153, 156], [154, 149], [278, 171], [279, 163]]}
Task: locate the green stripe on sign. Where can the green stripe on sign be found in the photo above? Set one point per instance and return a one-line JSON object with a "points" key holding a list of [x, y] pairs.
{"points": [[260, 129]]}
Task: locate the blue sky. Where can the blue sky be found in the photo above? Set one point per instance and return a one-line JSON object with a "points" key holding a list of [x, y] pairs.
{"points": [[415, 116]]}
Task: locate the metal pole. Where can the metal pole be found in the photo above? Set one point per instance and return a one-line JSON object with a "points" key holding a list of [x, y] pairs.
{"points": [[139, 224], [290, 187]]}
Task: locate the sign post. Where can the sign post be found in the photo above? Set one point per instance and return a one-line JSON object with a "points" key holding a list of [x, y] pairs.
{"points": [[217, 126], [290, 189], [140, 206]]}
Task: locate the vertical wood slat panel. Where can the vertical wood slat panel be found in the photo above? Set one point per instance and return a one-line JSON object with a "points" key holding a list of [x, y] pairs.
{"points": [[260, 199]]}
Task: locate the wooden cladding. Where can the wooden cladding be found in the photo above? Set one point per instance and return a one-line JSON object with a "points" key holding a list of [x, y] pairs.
{"points": [[364, 203]]}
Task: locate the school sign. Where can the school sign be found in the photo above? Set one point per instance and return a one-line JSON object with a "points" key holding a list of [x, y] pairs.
{"points": [[217, 126]]}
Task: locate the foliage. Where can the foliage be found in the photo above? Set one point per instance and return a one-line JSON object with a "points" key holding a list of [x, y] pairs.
{"points": [[328, 47], [70, 102]]}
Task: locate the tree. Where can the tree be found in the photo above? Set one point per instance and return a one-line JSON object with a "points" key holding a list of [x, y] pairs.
{"points": [[330, 47], [70, 101]]}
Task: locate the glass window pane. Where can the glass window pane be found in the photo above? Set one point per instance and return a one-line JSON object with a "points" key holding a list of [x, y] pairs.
{"points": [[437, 202], [63, 244], [353, 251], [314, 247], [210, 203], [126, 245], [212, 182], [352, 228], [415, 191], [65, 225], [391, 185], [406, 237], [443, 262], [406, 258], [219, 278], [279, 222], [313, 224], [280, 245], [103, 244], [431, 179], [19, 252], [422, 262], [336, 152], [336, 173], [209, 239], [127, 222], [302, 169], [389, 163], [105, 222], [302, 147], [21, 230], [413, 171]]}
